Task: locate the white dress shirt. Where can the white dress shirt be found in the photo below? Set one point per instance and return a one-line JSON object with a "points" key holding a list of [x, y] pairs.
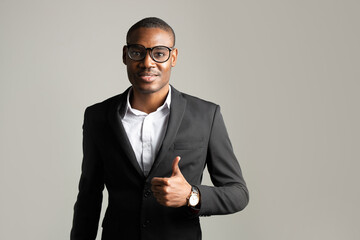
{"points": [[146, 131]]}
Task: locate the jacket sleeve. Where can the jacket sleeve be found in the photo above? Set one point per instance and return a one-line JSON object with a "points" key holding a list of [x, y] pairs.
{"points": [[88, 205], [229, 193]]}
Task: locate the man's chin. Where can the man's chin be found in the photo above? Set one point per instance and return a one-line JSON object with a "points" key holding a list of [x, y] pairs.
{"points": [[150, 88]]}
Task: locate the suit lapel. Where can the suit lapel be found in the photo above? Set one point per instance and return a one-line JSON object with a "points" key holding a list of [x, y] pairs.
{"points": [[177, 109], [114, 117]]}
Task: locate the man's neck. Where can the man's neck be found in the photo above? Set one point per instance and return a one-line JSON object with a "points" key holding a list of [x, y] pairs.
{"points": [[148, 102]]}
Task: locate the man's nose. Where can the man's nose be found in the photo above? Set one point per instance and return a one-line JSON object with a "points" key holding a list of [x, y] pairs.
{"points": [[148, 61]]}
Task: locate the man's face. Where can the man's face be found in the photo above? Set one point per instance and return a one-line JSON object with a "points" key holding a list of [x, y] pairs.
{"points": [[148, 76]]}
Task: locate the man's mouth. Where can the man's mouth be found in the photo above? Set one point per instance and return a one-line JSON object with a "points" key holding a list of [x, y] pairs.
{"points": [[148, 76]]}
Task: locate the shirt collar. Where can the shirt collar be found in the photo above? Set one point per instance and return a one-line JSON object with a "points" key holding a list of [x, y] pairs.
{"points": [[128, 107]]}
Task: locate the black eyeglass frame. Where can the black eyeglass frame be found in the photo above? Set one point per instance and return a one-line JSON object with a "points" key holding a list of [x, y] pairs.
{"points": [[151, 50]]}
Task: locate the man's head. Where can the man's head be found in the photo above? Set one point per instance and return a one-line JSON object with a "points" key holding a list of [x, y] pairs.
{"points": [[149, 68], [151, 22]]}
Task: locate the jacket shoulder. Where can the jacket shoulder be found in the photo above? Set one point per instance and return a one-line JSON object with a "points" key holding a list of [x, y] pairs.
{"points": [[104, 104], [198, 104], [99, 111]]}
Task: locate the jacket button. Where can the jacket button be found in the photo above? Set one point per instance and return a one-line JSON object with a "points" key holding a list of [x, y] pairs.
{"points": [[147, 194], [146, 223]]}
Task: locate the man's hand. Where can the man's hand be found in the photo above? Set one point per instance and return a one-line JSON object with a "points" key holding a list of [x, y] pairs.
{"points": [[172, 191]]}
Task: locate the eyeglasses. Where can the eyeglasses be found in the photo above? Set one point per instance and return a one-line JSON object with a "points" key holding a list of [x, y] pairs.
{"points": [[159, 54]]}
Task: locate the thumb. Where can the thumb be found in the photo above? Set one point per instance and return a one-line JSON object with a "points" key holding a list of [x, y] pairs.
{"points": [[175, 166]]}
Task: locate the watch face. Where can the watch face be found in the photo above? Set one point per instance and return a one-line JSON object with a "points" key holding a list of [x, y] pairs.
{"points": [[194, 200]]}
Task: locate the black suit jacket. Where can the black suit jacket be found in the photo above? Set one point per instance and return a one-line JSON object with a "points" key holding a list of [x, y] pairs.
{"points": [[196, 132]]}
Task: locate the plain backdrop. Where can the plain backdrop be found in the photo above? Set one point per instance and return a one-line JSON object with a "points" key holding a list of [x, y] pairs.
{"points": [[285, 73]]}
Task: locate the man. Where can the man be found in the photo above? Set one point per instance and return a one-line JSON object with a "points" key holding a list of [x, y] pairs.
{"points": [[133, 144]]}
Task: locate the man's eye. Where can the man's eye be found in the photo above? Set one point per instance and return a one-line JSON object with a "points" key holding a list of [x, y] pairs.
{"points": [[136, 53], [159, 54]]}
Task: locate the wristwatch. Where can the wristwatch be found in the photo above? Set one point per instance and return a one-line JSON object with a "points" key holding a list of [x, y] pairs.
{"points": [[194, 197]]}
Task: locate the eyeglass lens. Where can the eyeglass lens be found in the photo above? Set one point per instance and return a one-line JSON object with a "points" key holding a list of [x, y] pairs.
{"points": [[159, 53]]}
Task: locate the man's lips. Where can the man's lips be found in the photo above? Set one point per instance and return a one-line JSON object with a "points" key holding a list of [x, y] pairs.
{"points": [[148, 76]]}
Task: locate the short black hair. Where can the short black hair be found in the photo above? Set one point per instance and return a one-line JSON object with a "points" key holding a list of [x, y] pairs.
{"points": [[151, 22]]}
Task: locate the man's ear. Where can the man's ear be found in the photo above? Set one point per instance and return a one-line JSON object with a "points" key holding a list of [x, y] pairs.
{"points": [[124, 54], [174, 54]]}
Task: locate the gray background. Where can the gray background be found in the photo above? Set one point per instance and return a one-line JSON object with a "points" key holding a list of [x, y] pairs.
{"points": [[286, 74]]}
